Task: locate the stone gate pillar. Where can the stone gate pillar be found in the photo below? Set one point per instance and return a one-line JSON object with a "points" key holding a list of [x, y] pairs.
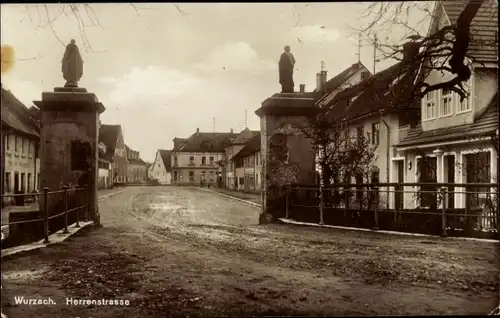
{"points": [[287, 155], [68, 146]]}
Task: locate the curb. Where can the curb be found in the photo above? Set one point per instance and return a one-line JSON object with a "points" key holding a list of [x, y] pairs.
{"points": [[293, 222], [234, 198], [55, 238]]}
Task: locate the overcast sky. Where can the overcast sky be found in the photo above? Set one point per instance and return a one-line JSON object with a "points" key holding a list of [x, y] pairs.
{"points": [[162, 73]]}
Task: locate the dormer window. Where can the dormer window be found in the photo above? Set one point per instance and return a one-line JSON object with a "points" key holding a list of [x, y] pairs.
{"points": [[429, 101], [446, 102], [463, 106]]}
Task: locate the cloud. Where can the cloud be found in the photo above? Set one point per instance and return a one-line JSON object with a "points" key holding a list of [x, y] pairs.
{"points": [[235, 56], [315, 33], [151, 82]]}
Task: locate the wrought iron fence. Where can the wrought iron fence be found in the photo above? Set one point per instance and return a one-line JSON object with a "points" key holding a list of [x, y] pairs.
{"points": [[433, 208], [55, 210]]}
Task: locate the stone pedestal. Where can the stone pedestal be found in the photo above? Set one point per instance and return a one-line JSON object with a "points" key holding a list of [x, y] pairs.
{"points": [[287, 155], [69, 123]]}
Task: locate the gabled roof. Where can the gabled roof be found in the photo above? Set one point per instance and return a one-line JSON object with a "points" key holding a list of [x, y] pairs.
{"points": [[207, 142], [388, 90], [484, 28], [245, 135], [16, 116], [251, 147], [166, 158], [108, 135], [339, 79], [485, 125]]}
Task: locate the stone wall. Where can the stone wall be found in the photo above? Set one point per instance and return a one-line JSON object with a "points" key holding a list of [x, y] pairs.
{"points": [[287, 159]]}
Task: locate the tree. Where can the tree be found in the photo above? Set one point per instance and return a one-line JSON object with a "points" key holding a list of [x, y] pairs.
{"points": [[445, 50], [82, 14]]}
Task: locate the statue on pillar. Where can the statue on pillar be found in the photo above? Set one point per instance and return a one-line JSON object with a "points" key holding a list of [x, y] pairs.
{"points": [[72, 65], [286, 65]]}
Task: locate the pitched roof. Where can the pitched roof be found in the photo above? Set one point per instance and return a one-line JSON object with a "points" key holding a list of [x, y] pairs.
{"points": [[251, 147], [245, 135], [15, 115], [339, 79], [166, 158], [389, 90], [108, 135], [486, 124], [484, 28], [207, 142]]}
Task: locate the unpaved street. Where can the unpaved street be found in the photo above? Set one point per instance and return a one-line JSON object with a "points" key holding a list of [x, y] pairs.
{"points": [[185, 251]]}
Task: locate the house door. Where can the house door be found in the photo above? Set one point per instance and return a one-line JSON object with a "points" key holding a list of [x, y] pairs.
{"points": [[23, 183], [16, 182], [398, 196], [428, 169], [477, 171]]}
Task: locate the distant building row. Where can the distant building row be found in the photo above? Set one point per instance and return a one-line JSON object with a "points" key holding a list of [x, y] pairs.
{"points": [[20, 164], [216, 159]]}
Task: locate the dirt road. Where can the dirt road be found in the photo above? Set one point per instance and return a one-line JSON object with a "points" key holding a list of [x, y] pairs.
{"points": [[181, 251]]}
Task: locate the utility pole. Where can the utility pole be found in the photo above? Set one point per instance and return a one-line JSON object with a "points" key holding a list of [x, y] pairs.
{"points": [[246, 123], [214, 125], [374, 53]]}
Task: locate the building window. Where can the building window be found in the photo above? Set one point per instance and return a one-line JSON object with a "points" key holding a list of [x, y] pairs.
{"points": [[175, 175], [242, 181], [446, 102], [7, 182], [211, 160], [7, 143], [203, 176], [203, 160], [191, 160], [375, 133], [23, 145], [191, 175], [464, 105], [175, 161], [430, 105], [29, 182], [16, 143], [38, 182]]}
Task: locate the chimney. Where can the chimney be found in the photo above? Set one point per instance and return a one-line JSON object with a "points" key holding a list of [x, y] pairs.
{"points": [[365, 75], [320, 81], [302, 88], [232, 131], [197, 130], [410, 51]]}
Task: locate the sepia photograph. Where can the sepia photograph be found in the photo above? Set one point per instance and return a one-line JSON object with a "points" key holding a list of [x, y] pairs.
{"points": [[266, 159]]}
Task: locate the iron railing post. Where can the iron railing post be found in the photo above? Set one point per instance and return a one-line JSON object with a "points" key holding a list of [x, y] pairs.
{"points": [[65, 209], [321, 205], [77, 196], [286, 202], [443, 211], [46, 216], [86, 195], [376, 200]]}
